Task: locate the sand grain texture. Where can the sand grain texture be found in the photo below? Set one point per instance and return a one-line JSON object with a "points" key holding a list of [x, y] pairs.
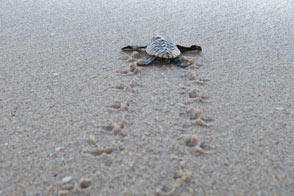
{"points": [[60, 65]]}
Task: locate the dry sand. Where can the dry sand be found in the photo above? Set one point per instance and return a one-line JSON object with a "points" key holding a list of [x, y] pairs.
{"points": [[73, 123]]}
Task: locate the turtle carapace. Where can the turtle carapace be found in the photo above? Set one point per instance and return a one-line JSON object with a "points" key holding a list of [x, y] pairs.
{"points": [[160, 48]]}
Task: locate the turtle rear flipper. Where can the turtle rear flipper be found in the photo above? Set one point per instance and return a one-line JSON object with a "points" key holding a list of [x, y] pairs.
{"points": [[179, 62], [147, 62], [133, 47]]}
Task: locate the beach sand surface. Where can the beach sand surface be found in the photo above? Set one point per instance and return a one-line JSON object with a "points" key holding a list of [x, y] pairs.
{"points": [[75, 121]]}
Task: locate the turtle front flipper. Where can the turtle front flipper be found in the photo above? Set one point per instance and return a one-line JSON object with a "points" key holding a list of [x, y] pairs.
{"points": [[133, 47], [147, 62], [185, 49], [179, 62]]}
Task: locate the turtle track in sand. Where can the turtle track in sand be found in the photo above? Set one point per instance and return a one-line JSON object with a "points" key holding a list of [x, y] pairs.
{"points": [[143, 133], [182, 140]]}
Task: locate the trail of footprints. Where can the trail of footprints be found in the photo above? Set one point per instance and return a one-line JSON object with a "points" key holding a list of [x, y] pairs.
{"points": [[194, 115]]}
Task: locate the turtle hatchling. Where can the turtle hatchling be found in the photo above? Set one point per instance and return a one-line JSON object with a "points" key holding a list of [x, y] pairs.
{"points": [[161, 49]]}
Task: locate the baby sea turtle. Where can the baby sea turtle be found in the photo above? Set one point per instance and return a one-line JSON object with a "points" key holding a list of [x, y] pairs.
{"points": [[160, 48]]}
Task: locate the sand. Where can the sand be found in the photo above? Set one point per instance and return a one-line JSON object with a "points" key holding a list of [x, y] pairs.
{"points": [[75, 121]]}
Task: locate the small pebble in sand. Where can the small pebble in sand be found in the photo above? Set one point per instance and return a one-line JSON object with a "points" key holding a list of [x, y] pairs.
{"points": [[192, 141], [201, 122], [140, 61], [92, 140], [182, 164], [180, 177], [99, 151], [57, 149], [133, 66], [135, 54], [108, 149], [96, 152], [56, 74], [280, 108], [138, 70], [124, 106], [131, 60], [116, 128], [119, 105], [66, 179], [116, 104], [201, 82], [199, 149], [193, 93], [123, 86], [194, 66], [85, 183]]}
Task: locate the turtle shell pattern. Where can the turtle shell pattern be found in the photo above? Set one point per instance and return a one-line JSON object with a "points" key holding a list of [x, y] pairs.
{"points": [[162, 48]]}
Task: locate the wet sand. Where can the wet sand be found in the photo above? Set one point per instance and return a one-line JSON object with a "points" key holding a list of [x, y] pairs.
{"points": [[72, 122]]}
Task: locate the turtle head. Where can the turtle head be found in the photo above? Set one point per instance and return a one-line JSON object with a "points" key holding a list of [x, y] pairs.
{"points": [[158, 37], [195, 47]]}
